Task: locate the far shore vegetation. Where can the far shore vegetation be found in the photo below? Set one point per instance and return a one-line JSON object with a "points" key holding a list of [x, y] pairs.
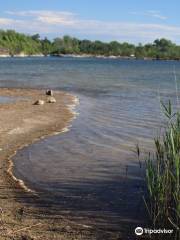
{"points": [[13, 43]]}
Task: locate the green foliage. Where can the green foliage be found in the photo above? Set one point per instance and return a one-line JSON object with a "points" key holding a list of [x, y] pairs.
{"points": [[46, 46], [160, 49], [163, 175], [66, 45], [20, 43]]}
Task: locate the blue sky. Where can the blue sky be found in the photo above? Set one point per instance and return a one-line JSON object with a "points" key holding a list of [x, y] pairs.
{"points": [[106, 20]]}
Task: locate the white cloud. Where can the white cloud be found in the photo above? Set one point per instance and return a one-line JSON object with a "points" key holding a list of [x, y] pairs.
{"points": [[151, 13], [7, 21], [48, 17], [59, 23], [156, 14]]}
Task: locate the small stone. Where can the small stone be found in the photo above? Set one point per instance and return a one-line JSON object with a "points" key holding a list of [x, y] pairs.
{"points": [[51, 100], [49, 92], [39, 102]]}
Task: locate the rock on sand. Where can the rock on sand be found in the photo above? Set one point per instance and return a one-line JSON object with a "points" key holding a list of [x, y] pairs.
{"points": [[51, 100], [39, 102]]}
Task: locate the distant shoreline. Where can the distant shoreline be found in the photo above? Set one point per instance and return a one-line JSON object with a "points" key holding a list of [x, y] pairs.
{"points": [[23, 45], [87, 56]]}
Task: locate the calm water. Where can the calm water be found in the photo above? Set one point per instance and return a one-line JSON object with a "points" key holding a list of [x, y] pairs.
{"points": [[91, 171], [4, 99]]}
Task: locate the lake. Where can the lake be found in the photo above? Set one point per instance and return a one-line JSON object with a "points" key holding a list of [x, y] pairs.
{"points": [[91, 172]]}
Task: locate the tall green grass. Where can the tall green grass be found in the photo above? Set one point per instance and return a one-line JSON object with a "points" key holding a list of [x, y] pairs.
{"points": [[163, 175]]}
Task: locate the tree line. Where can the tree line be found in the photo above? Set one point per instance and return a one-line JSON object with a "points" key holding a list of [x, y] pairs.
{"points": [[17, 43]]}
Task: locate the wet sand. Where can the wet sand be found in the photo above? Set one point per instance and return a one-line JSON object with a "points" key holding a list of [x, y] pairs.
{"points": [[22, 123]]}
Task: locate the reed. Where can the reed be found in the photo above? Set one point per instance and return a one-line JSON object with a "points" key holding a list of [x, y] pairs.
{"points": [[163, 174]]}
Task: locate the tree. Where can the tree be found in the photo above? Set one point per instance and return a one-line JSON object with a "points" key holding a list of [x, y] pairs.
{"points": [[140, 51], [17, 43], [36, 37], [46, 46]]}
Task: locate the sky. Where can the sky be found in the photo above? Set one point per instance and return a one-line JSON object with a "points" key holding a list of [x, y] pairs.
{"points": [[133, 21]]}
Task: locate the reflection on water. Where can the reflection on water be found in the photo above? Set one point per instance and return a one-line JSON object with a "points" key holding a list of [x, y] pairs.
{"points": [[92, 171]]}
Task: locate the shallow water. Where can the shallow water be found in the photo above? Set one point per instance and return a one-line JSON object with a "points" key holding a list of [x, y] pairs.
{"points": [[5, 99], [92, 170]]}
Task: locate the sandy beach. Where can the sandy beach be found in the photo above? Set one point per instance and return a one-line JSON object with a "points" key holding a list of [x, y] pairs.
{"points": [[22, 123]]}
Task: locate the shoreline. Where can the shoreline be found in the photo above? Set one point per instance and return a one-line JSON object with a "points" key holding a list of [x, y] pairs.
{"points": [[20, 182], [24, 128], [81, 56]]}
